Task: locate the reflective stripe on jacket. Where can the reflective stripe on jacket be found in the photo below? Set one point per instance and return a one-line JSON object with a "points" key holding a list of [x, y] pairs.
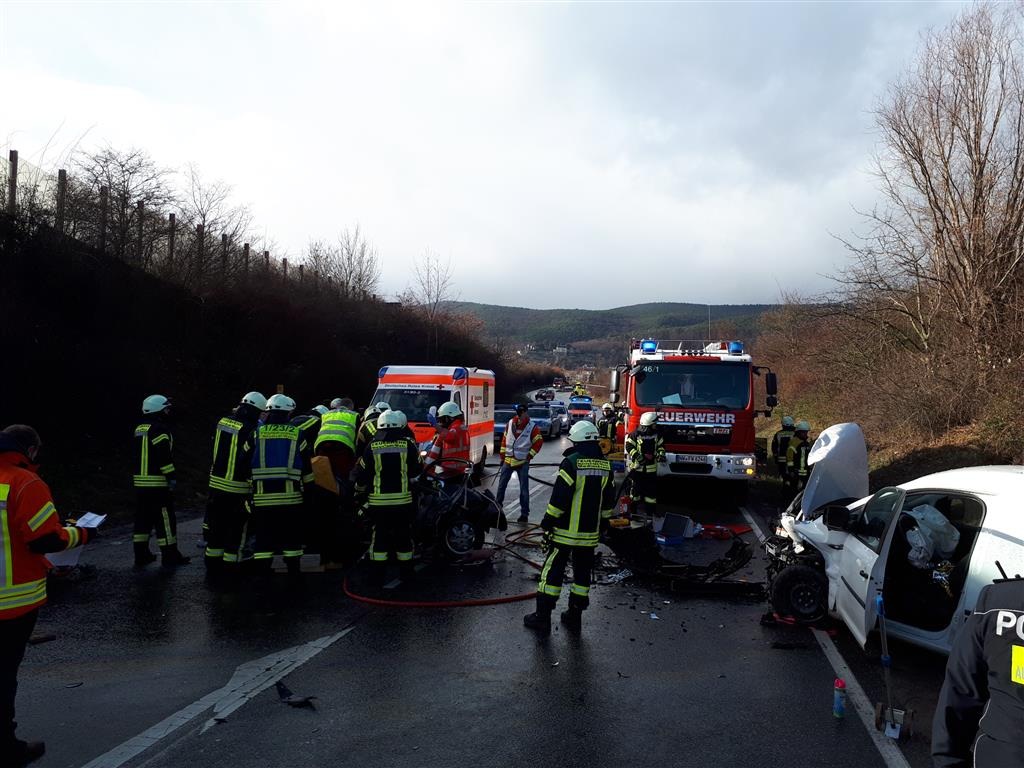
{"points": [[338, 426], [277, 464], [780, 444], [796, 456], [231, 470], [524, 444], [154, 464], [450, 443], [29, 527], [584, 493], [386, 469], [641, 445]]}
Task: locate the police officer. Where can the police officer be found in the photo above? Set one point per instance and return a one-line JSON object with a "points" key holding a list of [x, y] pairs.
{"points": [[384, 476], [645, 448], [981, 706], [583, 497], [797, 453], [154, 481], [228, 508], [780, 444], [280, 460]]}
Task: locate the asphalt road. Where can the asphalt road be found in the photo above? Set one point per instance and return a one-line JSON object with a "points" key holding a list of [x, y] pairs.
{"points": [[154, 669]]}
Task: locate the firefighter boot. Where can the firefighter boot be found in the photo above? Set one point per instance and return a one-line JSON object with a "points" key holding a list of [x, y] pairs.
{"points": [[171, 557], [214, 571], [406, 572], [143, 556], [295, 579], [540, 619], [573, 618]]}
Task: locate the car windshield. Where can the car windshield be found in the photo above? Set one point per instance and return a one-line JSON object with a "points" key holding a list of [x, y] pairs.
{"points": [[414, 403], [558, 409], [501, 417], [539, 413], [696, 385]]}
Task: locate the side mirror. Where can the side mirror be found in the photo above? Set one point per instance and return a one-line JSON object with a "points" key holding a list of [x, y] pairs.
{"points": [[613, 385], [771, 383], [837, 518], [771, 401], [615, 397]]}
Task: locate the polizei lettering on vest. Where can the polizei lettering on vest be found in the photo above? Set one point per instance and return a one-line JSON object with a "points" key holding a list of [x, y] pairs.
{"points": [[1010, 620], [689, 417]]}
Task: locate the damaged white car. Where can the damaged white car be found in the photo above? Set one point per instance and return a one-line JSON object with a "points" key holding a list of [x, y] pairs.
{"points": [[928, 546]]}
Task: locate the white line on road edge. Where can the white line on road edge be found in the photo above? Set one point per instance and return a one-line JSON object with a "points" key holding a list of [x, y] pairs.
{"points": [[886, 747], [753, 524], [247, 682]]}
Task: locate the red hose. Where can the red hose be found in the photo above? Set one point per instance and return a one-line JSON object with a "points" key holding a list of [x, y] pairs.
{"points": [[446, 603], [436, 603]]}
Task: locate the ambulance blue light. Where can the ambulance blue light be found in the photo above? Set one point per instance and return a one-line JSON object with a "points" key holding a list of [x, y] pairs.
{"points": [[460, 374], [648, 346], [735, 348], [381, 372]]}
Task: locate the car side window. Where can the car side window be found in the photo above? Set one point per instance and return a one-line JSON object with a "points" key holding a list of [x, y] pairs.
{"points": [[878, 513]]}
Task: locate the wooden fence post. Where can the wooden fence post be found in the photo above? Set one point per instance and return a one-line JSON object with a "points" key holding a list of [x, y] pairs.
{"points": [[266, 261], [223, 256], [172, 221], [12, 183], [284, 268], [302, 273], [62, 196], [140, 214], [245, 259], [200, 256], [104, 206]]}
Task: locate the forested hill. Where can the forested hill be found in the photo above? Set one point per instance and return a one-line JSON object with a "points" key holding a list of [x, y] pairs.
{"points": [[547, 328]]}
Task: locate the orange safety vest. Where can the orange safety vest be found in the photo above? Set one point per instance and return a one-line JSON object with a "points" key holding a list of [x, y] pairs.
{"points": [[27, 513]]}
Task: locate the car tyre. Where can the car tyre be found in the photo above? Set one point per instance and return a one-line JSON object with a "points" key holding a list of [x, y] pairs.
{"points": [[800, 591], [461, 537]]}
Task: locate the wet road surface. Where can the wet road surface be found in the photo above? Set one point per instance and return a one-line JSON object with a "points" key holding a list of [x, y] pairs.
{"points": [[154, 669]]}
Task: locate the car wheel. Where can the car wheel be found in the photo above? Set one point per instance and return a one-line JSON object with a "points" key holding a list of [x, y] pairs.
{"points": [[800, 591], [461, 537]]}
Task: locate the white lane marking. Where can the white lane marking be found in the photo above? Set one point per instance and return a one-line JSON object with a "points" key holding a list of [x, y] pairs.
{"points": [[248, 681], [886, 747], [753, 524]]}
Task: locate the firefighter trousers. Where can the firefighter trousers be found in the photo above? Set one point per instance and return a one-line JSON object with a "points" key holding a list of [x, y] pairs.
{"points": [[553, 574], [154, 510], [645, 486], [392, 532], [278, 528], [14, 637], [228, 518]]}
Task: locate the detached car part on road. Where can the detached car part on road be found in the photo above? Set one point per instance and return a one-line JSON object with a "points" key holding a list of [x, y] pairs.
{"points": [[929, 545]]}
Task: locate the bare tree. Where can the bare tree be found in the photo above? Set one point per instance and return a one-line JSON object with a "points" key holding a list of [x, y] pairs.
{"points": [[352, 264], [209, 204], [131, 177], [432, 288]]}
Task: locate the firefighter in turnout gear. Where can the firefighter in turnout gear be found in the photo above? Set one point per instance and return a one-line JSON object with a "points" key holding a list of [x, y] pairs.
{"points": [[369, 427], [153, 479], [780, 444], [29, 529], [645, 448], [981, 706], [228, 508], [384, 476], [582, 499], [607, 428], [450, 442], [334, 515], [280, 460], [797, 451]]}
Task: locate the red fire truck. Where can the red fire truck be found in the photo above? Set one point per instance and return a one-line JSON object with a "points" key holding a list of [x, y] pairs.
{"points": [[703, 393]]}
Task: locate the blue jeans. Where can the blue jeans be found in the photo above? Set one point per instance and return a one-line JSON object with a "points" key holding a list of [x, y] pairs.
{"points": [[523, 471]]}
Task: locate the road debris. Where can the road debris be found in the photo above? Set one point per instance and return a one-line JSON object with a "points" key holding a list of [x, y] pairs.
{"points": [[289, 698]]}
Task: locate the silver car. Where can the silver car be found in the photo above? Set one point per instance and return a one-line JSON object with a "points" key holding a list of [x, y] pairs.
{"points": [[560, 414]]}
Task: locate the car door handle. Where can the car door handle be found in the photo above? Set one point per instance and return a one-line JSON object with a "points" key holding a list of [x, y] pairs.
{"points": [[863, 575]]}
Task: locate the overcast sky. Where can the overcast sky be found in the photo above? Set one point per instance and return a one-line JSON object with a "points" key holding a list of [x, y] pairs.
{"points": [[584, 155]]}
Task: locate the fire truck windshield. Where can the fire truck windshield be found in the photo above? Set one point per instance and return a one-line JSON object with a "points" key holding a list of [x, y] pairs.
{"points": [[694, 385], [414, 403]]}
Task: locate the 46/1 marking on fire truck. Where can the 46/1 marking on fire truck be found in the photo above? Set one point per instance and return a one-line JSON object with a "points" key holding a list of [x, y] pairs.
{"points": [[688, 417]]}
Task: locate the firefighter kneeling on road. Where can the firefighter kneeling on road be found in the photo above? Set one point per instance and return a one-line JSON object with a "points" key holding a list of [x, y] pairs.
{"points": [[582, 500], [384, 477], [645, 448], [228, 507], [450, 442]]}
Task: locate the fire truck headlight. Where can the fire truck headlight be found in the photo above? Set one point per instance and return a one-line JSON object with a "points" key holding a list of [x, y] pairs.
{"points": [[747, 462]]}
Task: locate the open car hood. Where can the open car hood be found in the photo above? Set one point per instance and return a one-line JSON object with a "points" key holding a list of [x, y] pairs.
{"points": [[839, 460]]}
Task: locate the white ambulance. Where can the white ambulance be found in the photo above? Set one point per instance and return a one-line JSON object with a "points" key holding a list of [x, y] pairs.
{"points": [[419, 390]]}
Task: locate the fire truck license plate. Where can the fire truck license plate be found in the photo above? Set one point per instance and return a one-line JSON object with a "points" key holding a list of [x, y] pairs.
{"points": [[690, 458]]}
